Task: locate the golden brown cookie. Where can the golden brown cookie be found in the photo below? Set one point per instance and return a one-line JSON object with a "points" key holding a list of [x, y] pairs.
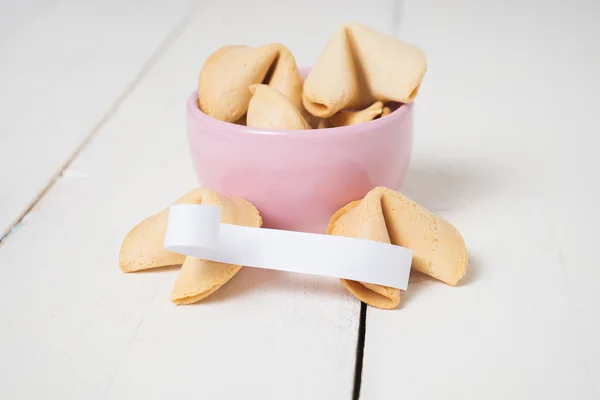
{"points": [[387, 216], [360, 66], [228, 72]]}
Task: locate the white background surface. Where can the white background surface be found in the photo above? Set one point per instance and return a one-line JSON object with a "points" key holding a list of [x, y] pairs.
{"points": [[92, 98]]}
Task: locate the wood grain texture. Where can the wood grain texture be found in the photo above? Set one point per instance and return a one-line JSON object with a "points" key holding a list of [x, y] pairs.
{"points": [[64, 67], [504, 149]]}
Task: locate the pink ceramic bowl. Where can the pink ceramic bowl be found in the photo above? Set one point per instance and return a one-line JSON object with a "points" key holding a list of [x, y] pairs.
{"points": [[299, 179]]}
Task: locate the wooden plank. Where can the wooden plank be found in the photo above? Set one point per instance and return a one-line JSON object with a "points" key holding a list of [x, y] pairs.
{"points": [[86, 330], [505, 149], [65, 66]]}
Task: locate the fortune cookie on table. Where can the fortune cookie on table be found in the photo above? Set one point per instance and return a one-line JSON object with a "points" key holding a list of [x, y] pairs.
{"points": [[228, 72], [359, 66], [387, 216], [347, 118], [143, 247], [200, 278], [270, 109]]}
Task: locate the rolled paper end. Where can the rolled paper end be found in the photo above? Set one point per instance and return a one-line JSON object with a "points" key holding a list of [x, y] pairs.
{"points": [[199, 279], [270, 109], [142, 247]]}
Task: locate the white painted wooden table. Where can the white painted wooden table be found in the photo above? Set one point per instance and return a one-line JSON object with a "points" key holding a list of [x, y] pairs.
{"points": [[92, 140]]}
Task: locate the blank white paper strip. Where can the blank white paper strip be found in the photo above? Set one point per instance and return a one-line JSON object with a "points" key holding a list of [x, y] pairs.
{"points": [[195, 230]]}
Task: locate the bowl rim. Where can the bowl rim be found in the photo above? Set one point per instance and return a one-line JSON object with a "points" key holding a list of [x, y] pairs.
{"points": [[395, 117]]}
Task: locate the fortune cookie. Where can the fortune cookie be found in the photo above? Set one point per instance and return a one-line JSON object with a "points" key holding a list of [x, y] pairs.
{"points": [[241, 121], [270, 109], [359, 66], [347, 118], [387, 216], [200, 278], [228, 72], [386, 111], [143, 247]]}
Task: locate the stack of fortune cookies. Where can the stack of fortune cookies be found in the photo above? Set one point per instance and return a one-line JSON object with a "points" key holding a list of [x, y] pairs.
{"points": [[382, 215], [360, 75]]}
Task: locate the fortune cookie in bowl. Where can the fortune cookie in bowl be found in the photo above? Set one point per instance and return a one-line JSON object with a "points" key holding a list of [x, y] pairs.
{"points": [[270, 109], [386, 216], [386, 111], [228, 73], [143, 247], [347, 118], [360, 66]]}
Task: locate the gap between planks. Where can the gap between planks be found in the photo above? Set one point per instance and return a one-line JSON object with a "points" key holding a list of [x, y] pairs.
{"points": [[360, 351], [162, 48]]}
